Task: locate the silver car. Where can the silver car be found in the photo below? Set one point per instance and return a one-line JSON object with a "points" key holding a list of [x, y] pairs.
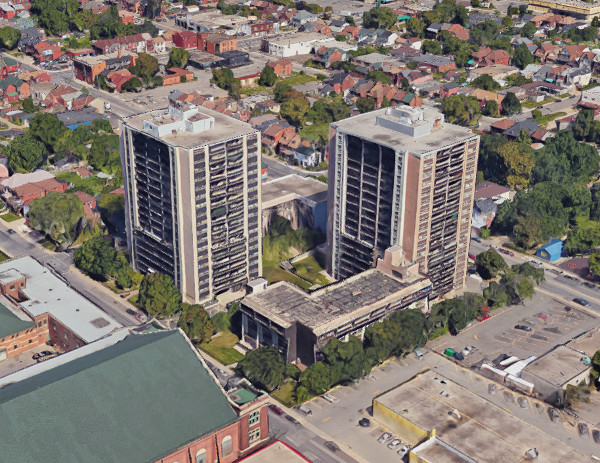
{"points": [[385, 436], [395, 443]]}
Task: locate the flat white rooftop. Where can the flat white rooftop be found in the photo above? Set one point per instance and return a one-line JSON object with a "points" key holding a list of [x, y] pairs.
{"points": [[48, 294]]}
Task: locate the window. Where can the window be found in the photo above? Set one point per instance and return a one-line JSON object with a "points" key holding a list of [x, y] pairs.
{"points": [[15, 347], [254, 418], [201, 456], [253, 435], [226, 446], [54, 326], [39, 324]]}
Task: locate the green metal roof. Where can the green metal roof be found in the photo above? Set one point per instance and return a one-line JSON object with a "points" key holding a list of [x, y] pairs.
{"points": [[136, 401], [11, 324]]}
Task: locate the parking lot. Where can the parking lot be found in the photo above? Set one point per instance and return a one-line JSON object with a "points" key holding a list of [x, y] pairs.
{"points": [[550, 322]]}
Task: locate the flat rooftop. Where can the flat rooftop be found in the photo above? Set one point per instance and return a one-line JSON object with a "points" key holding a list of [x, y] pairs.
{"points": [[558, 366], [285, 303], [588, 342], [365, 126], [10, 323], [284, 189], [483, 432], [277, 452], [91, 60], [225, 128], [300, 37], [438, 452], [48, 294]]}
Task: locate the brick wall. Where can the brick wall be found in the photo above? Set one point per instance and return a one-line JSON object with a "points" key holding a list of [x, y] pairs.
{"points": [[26, 340], [62, 337]]}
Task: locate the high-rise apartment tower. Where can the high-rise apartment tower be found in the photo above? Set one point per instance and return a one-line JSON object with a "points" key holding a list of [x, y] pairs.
{"points": [[401, 177], [192, 191]]}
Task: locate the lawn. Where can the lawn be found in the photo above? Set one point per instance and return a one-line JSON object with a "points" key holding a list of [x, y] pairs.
{"points": [[286, 394], [543, 121], [532, 104], [3, 256], [93, 183], [297, 79], [8, 217], [273, 272], [315, 133], [133, 300], [221, 348], [48, 244], [308, 268]]}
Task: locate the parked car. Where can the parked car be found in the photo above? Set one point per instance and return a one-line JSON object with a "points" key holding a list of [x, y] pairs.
{"points": [[523, 402], [581, 301], [492, 389], [535, 263], [403, 451], [596, 436], [291, 419], [483, 316], [330, 398], [459, 356], [472, 256], [275, 409], [304, 409], [364, 422], [331, 445], [130, 312], [385, 436], [584, 432], [395, 443], [11, 231], [476, 238], [554, 415], [419, 353], [523, 327]]}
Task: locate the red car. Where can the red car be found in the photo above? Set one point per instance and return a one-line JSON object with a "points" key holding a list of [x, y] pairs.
{"points": [[472, 256], [483, 316], [276, 409]]}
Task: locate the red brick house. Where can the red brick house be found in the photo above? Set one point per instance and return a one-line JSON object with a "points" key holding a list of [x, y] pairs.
{"points": [[327, 56], [126, 17], [8, 66], [282, 67], [186, 40], [46, 51], [215, 43], [486, 56], [175, 75]]}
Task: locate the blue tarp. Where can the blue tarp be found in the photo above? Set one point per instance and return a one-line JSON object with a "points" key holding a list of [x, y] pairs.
{"points": [[551, 251]]}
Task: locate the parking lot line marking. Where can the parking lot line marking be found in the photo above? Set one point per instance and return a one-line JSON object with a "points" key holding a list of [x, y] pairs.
{"points": [[325, 420], [376, 392]]}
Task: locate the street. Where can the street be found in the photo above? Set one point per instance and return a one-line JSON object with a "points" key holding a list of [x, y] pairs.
{"points": [[16, 245]]}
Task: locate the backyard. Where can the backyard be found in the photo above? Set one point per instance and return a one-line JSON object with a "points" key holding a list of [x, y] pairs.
{"points": [[92, 185]]}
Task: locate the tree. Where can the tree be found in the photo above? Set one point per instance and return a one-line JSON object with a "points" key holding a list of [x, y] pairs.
{"points": [[475, 3], [413, 329], [196, 323], [485, 82], [523, 137], [415, 27], [585, 235], [379, 18], [47, 128], [582, 127], [25, 153], [317, 378], [489, 263], [460, 109], [594, 263], [365, 104], [58, 215], [147, 64], [519, 164], [280, 90], [510, 104], [9, 37], [484, 32], [381, 341], [528, 270], [522, 56], [528, 30], [522, 10], [379, 76], [495, 295], [527, 232], [347, 359], [267, 77], [595, 22], [490, 108], [507, 22], [295, 109], [432, 46], [490, 162], [132, 85], [178, 57], [264, 367], [158, 295], [98, 258]]}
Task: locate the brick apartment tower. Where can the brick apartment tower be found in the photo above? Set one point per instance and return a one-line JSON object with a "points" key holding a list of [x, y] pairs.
{"points": [[192, 192], [401, 177]]}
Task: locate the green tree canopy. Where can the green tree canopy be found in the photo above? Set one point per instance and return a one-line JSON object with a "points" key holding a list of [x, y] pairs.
{"points": [[484, 32], [585, 235], [490, 162], [495, 295], [528, 30], [365, 104], [413, 328], [196, 323], [295, 108], [460, 109], [379, 76], [522, 56], [147, 64], [267, 77], [159, 296], [317, 378], [594, 263], [58, 215], [415, 27], [381, 341], [47, 128], [264, 367], [98, 258], [519, 163], [490, 108], [347, 359], [432, 46], [9, 37], [178, 57], [485, 82], [489, 263], [379, 18], [132, 85], [25, 153], [510, 104]]}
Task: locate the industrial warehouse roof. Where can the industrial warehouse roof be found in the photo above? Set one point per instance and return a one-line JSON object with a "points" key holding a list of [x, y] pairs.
{"points": [[11, 324], [285, 303], [557, 367], [225, 128], [366, 127], [48, 294], [128, 402], [473, 426]]}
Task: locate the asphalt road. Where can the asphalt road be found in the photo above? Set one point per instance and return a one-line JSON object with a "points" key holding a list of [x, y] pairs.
{"points": [[16, 245]]}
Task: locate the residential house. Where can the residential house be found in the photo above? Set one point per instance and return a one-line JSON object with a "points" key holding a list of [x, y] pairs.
{"points": [[498, 72], [8, 66], [449, 89], [352, 31], [327, 56], [159, 44], [529, 125], [565, 123], [493, 191], [46, 51], [87, 68], [216, 43], [459, 32], [547, 51], [570, 54], [137, 43], [14, 89], [486, 57], [435, 63], [83, 172], [34, 77], [118, 78], [248, 75], [340, 82], [306, 156], [126, 17], [302, 17], [282, 67], [258, 28]]}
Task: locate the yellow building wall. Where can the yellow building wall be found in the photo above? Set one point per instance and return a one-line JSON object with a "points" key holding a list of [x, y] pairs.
{"points": [[399, 426]]}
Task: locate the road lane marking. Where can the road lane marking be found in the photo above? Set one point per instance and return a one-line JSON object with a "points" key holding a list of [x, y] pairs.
{"points": [[325, 420]]}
